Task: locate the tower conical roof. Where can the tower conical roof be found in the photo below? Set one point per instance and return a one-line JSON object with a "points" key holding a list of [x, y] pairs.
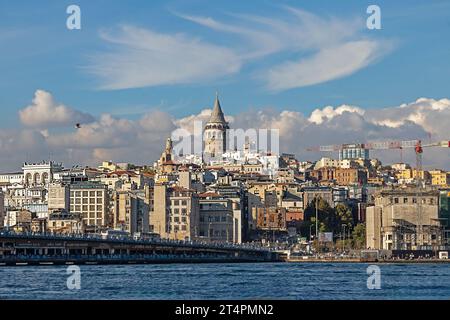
{"points": [[217, 114]]}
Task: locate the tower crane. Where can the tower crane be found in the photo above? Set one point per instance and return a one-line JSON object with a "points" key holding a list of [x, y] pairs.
{"points": [[418, 147]]}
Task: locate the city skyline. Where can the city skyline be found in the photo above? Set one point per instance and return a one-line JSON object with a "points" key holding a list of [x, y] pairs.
{"points": [[378, 85]]}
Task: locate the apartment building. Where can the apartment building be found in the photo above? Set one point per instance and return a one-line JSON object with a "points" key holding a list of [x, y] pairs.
{"points": [[131, 210], [176, 212], [90, 200], [216, 219]]}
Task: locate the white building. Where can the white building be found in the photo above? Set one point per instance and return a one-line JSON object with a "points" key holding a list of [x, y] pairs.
{"points": [[40, 173]]}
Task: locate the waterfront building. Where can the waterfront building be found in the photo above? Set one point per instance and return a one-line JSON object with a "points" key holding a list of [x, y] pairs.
{"points": [[216, 218], [63, 222], [404, 219], [2, 208], [175, 212], [90, 200], [131, 211], [18, 220]]}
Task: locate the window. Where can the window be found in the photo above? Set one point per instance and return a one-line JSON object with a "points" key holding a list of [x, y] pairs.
{"points": [[405, 200], [184, 202], [99, 194], [85, 194], [395, 200], [183, 211], [92, 194]]}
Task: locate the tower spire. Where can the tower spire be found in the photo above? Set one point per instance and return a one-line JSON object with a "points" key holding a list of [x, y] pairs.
{"points": [[217, 115]]}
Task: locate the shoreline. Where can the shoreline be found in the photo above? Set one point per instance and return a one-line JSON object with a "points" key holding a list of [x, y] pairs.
{"points": [[401, 261]]}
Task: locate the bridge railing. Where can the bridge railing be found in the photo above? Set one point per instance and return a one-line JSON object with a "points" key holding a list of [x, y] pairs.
{"points": [[130, 240]]}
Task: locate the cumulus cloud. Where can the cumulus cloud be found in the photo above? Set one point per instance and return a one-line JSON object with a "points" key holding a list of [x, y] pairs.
{"points": [[318, 116], [45, 112], [323, 49], [141, 141]]}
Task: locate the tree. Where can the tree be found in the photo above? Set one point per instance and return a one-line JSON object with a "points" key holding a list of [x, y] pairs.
{"points": [[325, 212], [359, 236], [343, 216]]}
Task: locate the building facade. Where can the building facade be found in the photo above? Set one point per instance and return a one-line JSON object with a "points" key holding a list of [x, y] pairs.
{"points": [[214, 135], [90, 200], [404, 220]]}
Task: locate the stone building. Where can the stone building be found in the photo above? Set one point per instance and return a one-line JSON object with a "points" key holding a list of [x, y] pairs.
{"points": [[214, 134], [175, 212], [40, 174], [64, 222], [404, 219], [131, 210]]}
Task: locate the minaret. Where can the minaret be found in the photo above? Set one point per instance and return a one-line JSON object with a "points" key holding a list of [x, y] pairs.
{"points": [[214, 134]]}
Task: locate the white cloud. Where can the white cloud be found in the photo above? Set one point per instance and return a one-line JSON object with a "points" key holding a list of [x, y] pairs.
{"points": [[320, 115], [328, 64], [324, 49], [141, 141], [45, 112], [144, 58]]}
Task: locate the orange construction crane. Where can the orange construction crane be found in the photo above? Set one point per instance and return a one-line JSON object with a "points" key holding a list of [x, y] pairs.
{"points": [[418, 149], [385, 145]]}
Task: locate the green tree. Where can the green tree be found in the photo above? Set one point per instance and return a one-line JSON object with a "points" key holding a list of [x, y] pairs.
{"points": [[325, 213], [343, 216], [359, 236]]}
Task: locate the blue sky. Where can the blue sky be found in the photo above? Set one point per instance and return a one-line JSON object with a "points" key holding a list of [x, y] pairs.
{"points": [[38, 52], [139, 69]]}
